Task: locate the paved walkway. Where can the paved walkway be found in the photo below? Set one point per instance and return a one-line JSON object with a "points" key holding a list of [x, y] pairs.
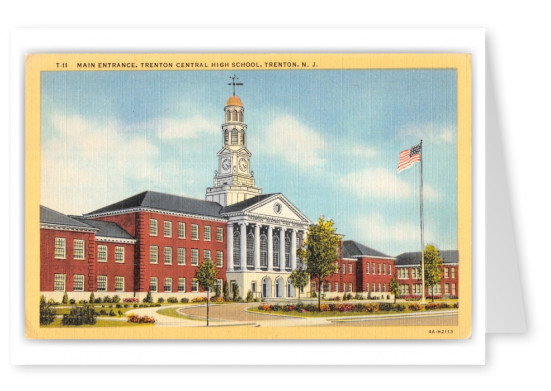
{"points": [[237, 315]]}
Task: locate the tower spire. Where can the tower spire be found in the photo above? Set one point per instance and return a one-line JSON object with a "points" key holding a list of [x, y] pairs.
{"points": [[233, 83]]}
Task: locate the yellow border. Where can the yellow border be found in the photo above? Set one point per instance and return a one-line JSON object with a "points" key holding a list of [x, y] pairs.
{"points": [[54, 62]]}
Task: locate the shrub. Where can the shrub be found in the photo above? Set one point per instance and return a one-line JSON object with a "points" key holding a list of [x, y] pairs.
{"points": [[65, 299], [82, 302], [276, 307], [217, 291], [135, 305], [148, 298], [118, 306], [217, 300], [140, 319], [314, 294], [399, 307], [388, 297], [102, 312], [415, 307], [358, 297], [372, 307], [72, 301], [265, 307], [345, 307], [47, 314], [107, 299], [131, 300], [249, 296], [199, 300], [92, 298], [336, 298], [235, 292], [359, 307], [184, 300], [120, 313], [112, 313], [385, 307], [456, 305], [444, 305], [325, 307], [172, 300], [115, 299], [125, 305], [432, 306], [79, 316], [160, 300], [226, 291], [98, 300], [52, 302], [311, 308]]}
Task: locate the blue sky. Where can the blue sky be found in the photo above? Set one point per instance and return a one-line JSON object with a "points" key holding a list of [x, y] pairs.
{"points": [[328, 140]]}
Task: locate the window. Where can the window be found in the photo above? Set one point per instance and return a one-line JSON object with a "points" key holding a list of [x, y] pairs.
{"points": [[314, 286], [447, 289], [237, 249], [403, 273], [234, 136], [349, 268], [287, 252], [181, 256], [220, 259], [78, 282], [167, 229], [328, 287], [102, 253], [153, 254], [404, 289], [379, 270], [153, 284], [206, 232], [119, 254], [384, 269], [182, 230], [194, 232], [367, 287], [373, 268], [344, 287], [384, 287], [206, 255], [367, 268], [168, 255], [453, 272], [59, 282], [263, 251], [379, 286], [168, 285], [181, 284], [59, 248], [343, 268], [373, 287], [194, 285], [219, 234], [102, 283], [194, 257], [436, 289], [446, 272], [119, 284], [250, 249], [78, 250], [390, 269], [153, 227], [275, 255], [336, 286], [349, 287], [416, 289], [453, 289]]}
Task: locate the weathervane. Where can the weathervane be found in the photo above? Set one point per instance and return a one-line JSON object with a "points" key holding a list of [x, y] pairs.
{"points": [[234, 83]]}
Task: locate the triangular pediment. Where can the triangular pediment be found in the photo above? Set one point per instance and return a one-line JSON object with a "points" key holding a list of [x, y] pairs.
{"points": [[277, 206], [228, 151]]}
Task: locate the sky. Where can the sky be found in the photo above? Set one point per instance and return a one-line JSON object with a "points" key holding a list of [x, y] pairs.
{"points": [[328, 140]]}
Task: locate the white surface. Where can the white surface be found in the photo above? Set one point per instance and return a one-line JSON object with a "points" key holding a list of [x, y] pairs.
{"points": [[517, 50]]}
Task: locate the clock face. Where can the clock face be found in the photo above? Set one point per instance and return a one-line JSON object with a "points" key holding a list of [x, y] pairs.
{"points": [[226, 164], [243, 165]]}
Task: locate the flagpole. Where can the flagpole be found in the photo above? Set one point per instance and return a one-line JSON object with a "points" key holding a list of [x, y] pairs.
{"points": [[422, 227]]}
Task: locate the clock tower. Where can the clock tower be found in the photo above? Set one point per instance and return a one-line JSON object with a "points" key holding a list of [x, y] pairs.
{"points": [[234, 180]]}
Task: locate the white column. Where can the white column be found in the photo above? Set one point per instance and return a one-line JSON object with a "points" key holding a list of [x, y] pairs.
{"points": [[256, 246], [282, 249], [293, 255], [230, 248], [243, 254], [270, 249]]}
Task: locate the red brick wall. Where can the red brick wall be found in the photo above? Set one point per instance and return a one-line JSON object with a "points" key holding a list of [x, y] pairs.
{"points": [[111, 269], [381, 271], [69, 266], [428, 292]]}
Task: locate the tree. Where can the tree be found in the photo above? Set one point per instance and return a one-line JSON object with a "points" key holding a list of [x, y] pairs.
{"points": [[206, 277], [299, 279], [394, 288], [320, 252], [433, 268], [226, 291]]}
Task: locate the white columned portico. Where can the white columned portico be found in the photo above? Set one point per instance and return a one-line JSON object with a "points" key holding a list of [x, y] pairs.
{"points": [[256, 246], [293, 254], [243, 252], [270, 249], [230, 248], [282, 249]]}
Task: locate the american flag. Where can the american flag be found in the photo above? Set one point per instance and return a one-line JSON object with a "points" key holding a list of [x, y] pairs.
{"points": [[409, 156]]}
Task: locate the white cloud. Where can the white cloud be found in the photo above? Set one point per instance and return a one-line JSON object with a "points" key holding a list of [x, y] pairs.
{"points": [[194, 127], [361, 151], [381, 183], [293, 141], [85, 163], [431, 133]]}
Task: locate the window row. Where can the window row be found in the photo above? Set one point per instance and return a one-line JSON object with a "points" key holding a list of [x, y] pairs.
{"points": [[167, 230], [404, 272], [78, 283], [168, 286], [344, 268], [60, 250], [380, 269], [181, 256], [449, 289], [326, 287]]}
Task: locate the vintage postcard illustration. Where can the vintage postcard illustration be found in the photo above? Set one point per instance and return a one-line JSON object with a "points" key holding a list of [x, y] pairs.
{"points": [[248, 196]]}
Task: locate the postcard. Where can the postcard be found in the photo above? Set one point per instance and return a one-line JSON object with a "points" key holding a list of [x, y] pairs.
{"points": [[248, 196]]}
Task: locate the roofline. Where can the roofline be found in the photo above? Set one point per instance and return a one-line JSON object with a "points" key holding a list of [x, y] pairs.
{"points": [[373, 256], [63, 227], [115, 239], [162, 211]]}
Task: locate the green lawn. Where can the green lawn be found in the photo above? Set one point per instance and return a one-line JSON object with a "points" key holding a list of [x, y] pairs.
{"points": [[175, 314]]}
